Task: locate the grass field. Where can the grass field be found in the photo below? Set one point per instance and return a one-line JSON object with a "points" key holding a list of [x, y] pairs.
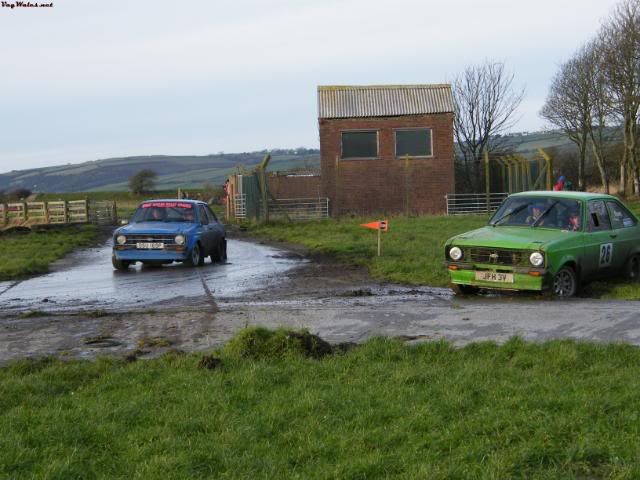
{"points": [[412, 250], [559, 409], [30, 253]]}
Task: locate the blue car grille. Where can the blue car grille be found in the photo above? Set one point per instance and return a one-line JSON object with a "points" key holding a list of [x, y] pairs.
{"points": [[150, 238]]}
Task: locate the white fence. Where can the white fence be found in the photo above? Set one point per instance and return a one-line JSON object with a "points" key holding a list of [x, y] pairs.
{"points": [[468, 203], [299, 208], [240, 205]]}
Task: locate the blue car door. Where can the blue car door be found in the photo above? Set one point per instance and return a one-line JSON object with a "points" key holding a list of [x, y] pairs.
{"points": [[217, 226], [208, 238]]}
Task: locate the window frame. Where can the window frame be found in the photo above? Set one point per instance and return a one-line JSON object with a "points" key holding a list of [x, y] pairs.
{"points": [[395, 142], [202, 212], [622, 207], [360, 130], [213, 217], [589, 216]]}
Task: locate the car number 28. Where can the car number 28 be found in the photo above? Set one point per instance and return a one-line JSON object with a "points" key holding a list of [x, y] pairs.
{"points": [[606, 253]]}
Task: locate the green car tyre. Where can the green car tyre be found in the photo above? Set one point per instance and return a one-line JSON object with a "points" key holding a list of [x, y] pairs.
{"points": [[464, 289], [633, 268], [565, 283]]}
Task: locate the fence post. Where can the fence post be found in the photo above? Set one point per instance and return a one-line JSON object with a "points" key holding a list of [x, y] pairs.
{"points": [[336, 202], [549, 164], [487, 178], [407, 186]]}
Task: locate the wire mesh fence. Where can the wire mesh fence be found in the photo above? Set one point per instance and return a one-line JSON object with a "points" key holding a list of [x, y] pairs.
{"points": [[473, 203]]}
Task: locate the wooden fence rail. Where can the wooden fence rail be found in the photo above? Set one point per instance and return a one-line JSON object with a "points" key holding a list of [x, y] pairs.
{"points": [[30, 214]]}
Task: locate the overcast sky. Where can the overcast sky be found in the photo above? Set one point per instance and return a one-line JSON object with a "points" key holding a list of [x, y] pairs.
{"points": [[90, 79]]}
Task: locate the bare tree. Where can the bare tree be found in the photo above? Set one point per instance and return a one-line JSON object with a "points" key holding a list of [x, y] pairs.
{"points": [[568, 107], [600, 107], [620, 52], [485, 106]]}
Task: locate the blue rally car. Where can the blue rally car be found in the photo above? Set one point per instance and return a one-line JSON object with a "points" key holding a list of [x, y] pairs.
{"points": [[166, 231]]}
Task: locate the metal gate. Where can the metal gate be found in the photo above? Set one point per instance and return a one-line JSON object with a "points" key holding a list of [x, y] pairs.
{"points": [[103, 212], [299, 208], [469, 203]]}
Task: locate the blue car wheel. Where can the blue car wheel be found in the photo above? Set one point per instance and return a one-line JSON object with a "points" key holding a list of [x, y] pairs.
{"points": [[195, 257], [220, 252]]}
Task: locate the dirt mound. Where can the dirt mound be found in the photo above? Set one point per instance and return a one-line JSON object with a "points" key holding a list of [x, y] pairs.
{"points": [[263, 344], [209, 362]]}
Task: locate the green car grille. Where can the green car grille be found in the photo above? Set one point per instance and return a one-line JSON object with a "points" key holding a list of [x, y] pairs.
{"points": [[496, 256]]}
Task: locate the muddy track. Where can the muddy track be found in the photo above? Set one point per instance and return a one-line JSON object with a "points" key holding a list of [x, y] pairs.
{"points": [[84, 308]]}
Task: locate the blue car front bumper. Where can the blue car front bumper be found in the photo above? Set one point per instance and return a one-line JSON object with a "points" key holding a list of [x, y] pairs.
{"points": [[134, 255]]}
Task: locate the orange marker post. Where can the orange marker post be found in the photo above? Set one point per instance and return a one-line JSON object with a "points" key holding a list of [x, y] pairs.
{"points": [[380, 226]]}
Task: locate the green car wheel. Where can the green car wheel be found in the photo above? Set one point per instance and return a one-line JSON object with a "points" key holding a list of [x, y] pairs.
{"points": [[633, 268], [464, 289], [565, 283]]}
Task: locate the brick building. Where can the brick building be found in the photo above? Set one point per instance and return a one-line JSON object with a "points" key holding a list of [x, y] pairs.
{"points": [[386, 149]]}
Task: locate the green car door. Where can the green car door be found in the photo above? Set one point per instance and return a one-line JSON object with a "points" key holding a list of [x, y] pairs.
{"points": [[626, 230], [602, 255]]}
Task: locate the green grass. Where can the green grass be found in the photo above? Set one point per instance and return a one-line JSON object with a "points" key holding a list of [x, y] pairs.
{"points": [[382, 410], [412, 249], [30, 253]]}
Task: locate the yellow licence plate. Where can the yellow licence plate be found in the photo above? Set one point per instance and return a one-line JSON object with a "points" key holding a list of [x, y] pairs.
{"points": [[494, 277]]}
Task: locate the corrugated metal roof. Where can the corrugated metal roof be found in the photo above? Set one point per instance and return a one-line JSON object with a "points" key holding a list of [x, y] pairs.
{"points": [[383, 100]]}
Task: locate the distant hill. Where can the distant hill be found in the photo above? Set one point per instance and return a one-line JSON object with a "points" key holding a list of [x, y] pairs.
{"points": [[112, 174]]}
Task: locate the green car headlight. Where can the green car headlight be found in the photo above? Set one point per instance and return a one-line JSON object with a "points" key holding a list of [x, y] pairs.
{"points": [[121, 239], [536, 259], [455, 253], [179, 239]]}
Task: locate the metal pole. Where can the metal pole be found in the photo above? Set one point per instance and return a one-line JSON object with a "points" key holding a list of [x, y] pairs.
{"points": [[407, 179], [549, 165], [336, 202]]}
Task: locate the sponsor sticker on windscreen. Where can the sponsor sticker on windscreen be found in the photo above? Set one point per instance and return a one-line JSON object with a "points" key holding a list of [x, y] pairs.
{"points": [[167, 205]]}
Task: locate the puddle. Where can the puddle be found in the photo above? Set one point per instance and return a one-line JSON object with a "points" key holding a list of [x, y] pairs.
{"points": [[86, 279]]}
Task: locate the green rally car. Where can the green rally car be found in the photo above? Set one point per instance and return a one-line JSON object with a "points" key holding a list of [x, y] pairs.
{"points": [[547, 240]]}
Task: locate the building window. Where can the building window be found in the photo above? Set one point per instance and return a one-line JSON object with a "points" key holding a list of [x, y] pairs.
{"points": [[415, 142], [360, 144]]}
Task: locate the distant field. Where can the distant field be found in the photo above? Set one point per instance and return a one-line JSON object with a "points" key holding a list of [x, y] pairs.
{"points": [[192, 171], [186, 172]]}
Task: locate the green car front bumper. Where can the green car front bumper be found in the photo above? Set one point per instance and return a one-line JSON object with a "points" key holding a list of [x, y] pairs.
{"points": [[535, 279]]}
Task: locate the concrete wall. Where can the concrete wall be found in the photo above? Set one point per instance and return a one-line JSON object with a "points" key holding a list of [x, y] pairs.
{"points": [[383, 184]]}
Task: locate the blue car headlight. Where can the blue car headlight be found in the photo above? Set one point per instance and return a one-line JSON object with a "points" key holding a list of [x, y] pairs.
{"points": [[180, 239], [121, 239]]}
